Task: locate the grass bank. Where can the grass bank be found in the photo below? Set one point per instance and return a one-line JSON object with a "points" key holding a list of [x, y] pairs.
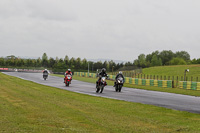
{"points": [[29, 107], [176, 70]]}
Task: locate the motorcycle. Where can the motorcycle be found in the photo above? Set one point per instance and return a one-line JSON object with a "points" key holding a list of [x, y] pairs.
{"points": [[68, 79], [45, 76], [119, 84], [101, 84]]}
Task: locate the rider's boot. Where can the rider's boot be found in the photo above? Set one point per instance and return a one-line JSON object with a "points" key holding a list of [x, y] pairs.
{"points": [[114, 84]]}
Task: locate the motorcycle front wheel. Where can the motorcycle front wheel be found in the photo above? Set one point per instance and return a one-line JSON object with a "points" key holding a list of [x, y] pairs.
{"points": [[97, 89], [120, 87], [102, 89], [116, 88], [67, 84]]}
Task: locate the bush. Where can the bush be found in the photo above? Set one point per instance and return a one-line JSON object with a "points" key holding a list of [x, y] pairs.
{"points": [[177, 61]]}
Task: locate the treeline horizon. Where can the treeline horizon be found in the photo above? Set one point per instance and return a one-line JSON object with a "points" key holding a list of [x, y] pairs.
{"points": [[156, 58]]}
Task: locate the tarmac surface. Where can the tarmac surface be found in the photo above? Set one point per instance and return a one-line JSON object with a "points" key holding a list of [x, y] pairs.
{"points": [[161, 99]]}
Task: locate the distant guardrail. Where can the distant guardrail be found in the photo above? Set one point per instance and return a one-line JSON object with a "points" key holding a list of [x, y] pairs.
{"points": [[20, 70], [134, 81]]}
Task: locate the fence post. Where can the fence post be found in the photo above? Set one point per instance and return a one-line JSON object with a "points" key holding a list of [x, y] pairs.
{"points": [[172, 81], [177, 81], [197, 79], [191, 79]]}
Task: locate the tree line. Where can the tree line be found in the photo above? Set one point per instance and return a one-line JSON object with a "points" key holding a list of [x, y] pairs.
{"points": [[59, 64], [156, 58], [163, 58]]}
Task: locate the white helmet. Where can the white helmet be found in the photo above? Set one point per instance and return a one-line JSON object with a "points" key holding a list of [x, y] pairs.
{"points": [[69, 70], [120, 72]]}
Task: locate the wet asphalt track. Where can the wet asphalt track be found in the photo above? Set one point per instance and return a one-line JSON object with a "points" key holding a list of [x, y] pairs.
{"points": [[162, 99]]}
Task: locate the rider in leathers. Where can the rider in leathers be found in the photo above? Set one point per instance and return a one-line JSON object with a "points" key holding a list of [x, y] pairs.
{"points": [[45, 72], [67, 72], [101, 74], [117, 76]]}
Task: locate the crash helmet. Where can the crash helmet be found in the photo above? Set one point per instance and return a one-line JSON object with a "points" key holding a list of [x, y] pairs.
{"points": [[45, 69], [120, 72], [103, 70], [69, 70]]}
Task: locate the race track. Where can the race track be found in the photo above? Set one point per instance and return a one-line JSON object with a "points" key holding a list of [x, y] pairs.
{"points": [[162, 99]]}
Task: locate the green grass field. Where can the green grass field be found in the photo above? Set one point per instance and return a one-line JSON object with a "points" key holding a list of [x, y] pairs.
{"points": [[29, 107], [173, 70], [176, 71]]}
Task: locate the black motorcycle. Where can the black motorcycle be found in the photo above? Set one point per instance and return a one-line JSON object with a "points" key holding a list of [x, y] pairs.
{"points": [[119, 84], [45, 76], [101, 84]]}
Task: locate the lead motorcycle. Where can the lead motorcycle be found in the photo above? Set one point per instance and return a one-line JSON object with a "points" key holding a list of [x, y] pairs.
{"points": [[101, 84], [68, 79], [119, 84]]}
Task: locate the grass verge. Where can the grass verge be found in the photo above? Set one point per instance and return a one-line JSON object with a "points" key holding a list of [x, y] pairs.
{"points": [[30, 107]]}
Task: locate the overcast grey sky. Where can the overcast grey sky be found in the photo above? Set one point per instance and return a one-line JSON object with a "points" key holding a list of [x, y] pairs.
{"points": [[92, 29]]}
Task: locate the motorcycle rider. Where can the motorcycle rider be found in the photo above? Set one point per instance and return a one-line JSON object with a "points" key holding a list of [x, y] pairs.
{"points": [[67, 72], [117, 76], [101, 74], [45, 72]]}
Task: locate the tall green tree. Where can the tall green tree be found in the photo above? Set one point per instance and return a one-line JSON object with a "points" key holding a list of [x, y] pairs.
{"points": [[72, 63], [44, 60], [150, 56], [166, 56], [78, 63], [66, 60], [177, 61], [51, 62], [183, 54], [142, 60], [155, 61], [39, 62], [98, 65], [2, 62], [85, 64]]}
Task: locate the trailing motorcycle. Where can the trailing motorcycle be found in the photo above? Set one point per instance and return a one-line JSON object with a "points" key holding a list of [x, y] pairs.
{"points": [[101, 84], [119, 84], [68, 79]]}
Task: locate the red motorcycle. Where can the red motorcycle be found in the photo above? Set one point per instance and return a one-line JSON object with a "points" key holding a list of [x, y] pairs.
{"points": [[68, 79], [101, 84]]}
